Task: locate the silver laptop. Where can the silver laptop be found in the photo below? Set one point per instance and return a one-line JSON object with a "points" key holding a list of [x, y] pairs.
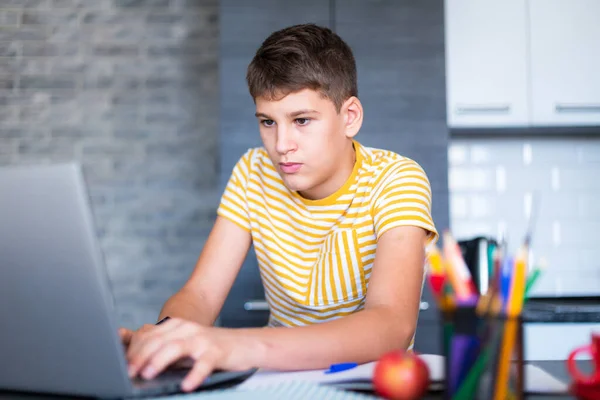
{"points": [[58, 328]]}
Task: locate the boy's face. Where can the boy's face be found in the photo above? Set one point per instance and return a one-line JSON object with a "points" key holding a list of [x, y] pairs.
{"points": [[308, 141]]}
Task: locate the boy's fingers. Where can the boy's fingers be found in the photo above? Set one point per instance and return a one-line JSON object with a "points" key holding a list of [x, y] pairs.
{"points": [[168, 354], [142, 350], [152, 333], [201, 369], [125, 335]]}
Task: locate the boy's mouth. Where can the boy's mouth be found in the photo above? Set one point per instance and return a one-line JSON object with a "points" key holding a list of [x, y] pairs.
{"points": [[290, 168]]}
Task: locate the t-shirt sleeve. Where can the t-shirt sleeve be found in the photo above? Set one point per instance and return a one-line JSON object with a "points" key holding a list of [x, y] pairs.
{"points": [[234, 201], [403, 198]]}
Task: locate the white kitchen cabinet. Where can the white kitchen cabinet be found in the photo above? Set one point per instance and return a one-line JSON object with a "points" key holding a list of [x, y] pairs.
{"points": [[486, 63], [565, 62]]}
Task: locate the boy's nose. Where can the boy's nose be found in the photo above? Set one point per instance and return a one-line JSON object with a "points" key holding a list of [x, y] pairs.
{"points": [[285, 142]]}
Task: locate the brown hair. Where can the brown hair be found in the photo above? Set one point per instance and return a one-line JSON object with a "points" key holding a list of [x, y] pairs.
{"points": [[301, 57]]}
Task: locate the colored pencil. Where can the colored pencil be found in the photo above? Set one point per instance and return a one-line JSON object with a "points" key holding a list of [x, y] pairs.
{"points": [[514, 308], [436, 262], [436, 283], [505, 281], [517, 290], [508, 343], [456, 269], [534, 276]]}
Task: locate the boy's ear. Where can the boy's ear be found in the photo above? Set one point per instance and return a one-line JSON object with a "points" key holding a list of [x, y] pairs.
{"points": [[353, 116]]}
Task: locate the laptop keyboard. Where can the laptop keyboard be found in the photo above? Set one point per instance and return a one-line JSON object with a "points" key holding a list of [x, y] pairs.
{"points": [[169, 382]]}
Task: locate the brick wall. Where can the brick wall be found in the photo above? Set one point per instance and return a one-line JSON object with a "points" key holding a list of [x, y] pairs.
{"points": [[495, 183], [130, 89]]}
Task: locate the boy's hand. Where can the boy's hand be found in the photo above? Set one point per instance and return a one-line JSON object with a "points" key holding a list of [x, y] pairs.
{"points": [[151, 351], [128, 334]]}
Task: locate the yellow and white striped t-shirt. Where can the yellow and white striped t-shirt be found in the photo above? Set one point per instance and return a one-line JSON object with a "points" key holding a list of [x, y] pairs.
{"points": [[315, 256]]}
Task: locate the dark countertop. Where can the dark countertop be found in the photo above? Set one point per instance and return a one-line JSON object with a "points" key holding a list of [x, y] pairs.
{"points": [[562, 310]]}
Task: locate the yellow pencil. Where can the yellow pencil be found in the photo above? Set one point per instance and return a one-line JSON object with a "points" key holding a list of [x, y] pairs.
{"points": [[508, 343], [517, 290]]}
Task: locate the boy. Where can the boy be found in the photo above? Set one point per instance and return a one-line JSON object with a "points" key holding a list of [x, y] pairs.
{"points": [[339, 229]]}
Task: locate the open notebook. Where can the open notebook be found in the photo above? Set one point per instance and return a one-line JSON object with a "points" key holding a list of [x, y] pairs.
{"points": [[360, 378]]}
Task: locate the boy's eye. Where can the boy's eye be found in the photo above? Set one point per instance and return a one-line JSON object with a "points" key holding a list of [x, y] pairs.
{"points": [[267, 122], [302, 121]]}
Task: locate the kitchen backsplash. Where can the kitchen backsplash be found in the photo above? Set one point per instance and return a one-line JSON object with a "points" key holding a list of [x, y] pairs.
{"points": [[496, 184]]}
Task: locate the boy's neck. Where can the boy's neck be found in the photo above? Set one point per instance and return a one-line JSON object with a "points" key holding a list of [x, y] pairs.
{"points": [[335, 182]]}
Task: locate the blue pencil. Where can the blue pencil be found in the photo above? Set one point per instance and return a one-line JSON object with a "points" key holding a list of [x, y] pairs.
{"points": [[505, 280]]}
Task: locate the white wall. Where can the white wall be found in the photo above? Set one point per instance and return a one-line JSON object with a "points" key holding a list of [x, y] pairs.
{"points": [[494, 182]]}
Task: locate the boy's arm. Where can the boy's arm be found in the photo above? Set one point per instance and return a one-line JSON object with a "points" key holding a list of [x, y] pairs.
{"points": [[202, 296], [387, 322]]}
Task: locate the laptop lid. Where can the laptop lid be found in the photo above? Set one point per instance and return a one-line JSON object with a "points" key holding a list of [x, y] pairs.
{"points": [[59, 331]]}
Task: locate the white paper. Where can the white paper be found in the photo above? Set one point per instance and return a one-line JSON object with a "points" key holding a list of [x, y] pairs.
{"points": [[362, 373], [537, 380]]}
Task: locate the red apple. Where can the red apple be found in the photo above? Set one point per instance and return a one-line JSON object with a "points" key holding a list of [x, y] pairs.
{"points": [[401, 375]]}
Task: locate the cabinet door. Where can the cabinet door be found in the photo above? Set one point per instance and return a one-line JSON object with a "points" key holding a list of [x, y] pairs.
{"points": [[565, 62], [486, 63]]}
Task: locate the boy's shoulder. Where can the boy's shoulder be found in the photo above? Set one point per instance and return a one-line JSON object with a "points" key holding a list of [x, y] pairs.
{"points": [[252, 161], [255, 156], [380, 157], [385, 162]]}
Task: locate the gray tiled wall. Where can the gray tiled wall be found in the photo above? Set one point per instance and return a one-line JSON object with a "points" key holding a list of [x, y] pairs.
{"points": [[495, 184], [130, 89]]}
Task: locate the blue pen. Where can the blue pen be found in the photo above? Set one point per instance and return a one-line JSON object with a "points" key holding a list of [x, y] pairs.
{"points": [[340, 367]]}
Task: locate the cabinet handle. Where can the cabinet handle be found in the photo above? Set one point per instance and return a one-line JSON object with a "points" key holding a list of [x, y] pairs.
{"points": [[424, 306], [577, 108], [256, 305], [483, 109]]}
